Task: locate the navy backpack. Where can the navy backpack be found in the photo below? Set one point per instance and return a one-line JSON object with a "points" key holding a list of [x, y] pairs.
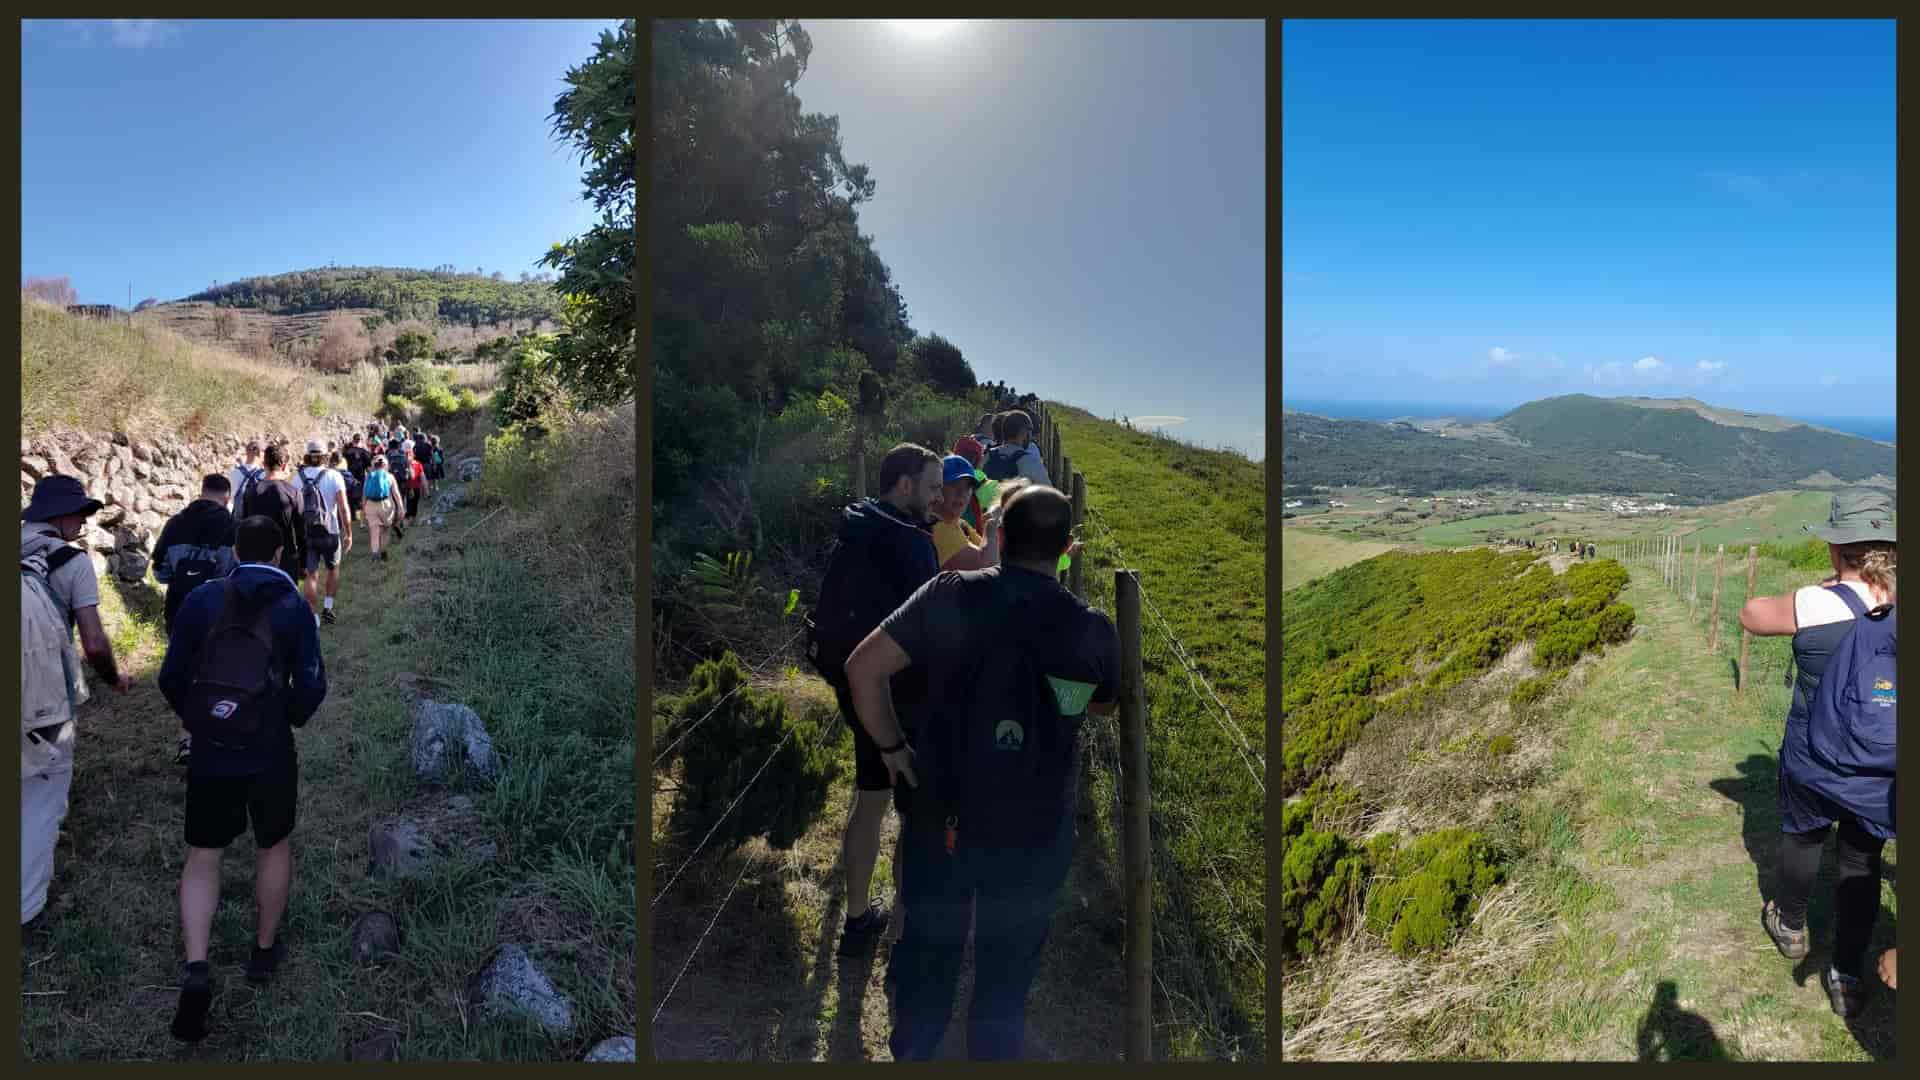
{"points": [[1851, 727]]}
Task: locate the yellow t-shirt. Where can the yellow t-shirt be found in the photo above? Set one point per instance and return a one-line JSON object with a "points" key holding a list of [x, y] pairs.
{"points": [[950, 536]]}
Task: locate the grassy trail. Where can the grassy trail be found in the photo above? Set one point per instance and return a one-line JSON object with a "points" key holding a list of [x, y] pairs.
{"points": [[1671, 778], [99, 970]]}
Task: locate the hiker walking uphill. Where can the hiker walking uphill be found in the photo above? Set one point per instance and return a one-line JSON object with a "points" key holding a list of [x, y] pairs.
{"points": [[957, 544], [883, 554], [58, 593], [397, 465], [988, 782], [1836, 760], [195, 547], [275, 498], [381, 497], [1017, 454], [242, 670], [246, 472], [323, 518]]}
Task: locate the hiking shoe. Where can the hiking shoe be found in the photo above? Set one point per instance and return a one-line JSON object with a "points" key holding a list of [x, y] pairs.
{"points": [[1791, 943], [1846, 994], [196, 997], [861, 932], [261, 964], [326, 616]]}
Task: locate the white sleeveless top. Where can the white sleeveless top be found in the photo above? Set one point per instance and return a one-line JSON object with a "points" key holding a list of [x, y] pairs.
{"points": [[1815, 606]]}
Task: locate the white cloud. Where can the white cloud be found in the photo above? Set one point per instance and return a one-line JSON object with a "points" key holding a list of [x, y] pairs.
{"points": [[1710, 367], [1499, 356], [1613, 371], [1829, 379], [1648, 363], [1158, 421], [140, 33]]}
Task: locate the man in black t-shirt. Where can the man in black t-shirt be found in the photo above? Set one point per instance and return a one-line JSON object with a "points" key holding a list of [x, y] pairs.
{"points": [[275, 498], [960, 628]]}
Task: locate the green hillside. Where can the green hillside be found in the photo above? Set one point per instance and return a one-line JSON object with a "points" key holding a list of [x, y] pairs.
{"points": [[442, 293], [1579, 443]]}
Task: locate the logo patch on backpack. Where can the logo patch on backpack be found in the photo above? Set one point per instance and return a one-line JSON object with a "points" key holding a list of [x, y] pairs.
{"points": [[1883, 693], [1009, 735], [224, 709]]}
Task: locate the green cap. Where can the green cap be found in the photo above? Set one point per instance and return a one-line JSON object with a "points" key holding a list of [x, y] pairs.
{"points": [[1858, 515]]}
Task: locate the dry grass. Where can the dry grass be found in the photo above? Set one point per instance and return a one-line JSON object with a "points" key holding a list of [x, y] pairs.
{"points": [[95, 375]]}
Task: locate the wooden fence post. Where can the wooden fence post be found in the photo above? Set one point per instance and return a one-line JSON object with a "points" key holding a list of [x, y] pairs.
{"points": [[1075, 580], [1064, 481], [1134, 806], [1753, 557], [1693, 591], [1713, 613]]}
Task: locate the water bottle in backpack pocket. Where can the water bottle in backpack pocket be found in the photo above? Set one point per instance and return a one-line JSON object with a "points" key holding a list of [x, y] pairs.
{"points": [[233, 682]]}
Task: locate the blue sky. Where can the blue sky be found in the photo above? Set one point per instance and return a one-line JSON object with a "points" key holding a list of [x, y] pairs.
{"points": [[1079, 206], [169, 155], [1489, 212]]}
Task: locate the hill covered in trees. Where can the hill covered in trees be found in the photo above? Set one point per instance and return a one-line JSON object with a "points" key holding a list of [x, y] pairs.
{"points": [[1579, 443], [441, 294]]}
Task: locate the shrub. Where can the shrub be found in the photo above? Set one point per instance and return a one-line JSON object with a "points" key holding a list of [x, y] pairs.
{"points": [[469, 401], [1528, 691], [1321, 877], [1614, 623], [1429, 889], [1499, 746], [748, 733], [529, 385], [438, 404], [411, 379], [401, 409]]}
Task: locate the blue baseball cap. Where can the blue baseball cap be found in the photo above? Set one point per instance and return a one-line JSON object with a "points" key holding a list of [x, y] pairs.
{"points": [[954, 467]]}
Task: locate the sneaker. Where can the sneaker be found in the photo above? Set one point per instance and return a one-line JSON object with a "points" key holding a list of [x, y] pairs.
{"points": [[1846, 994], [1791, 943], [326, 616], [262, 963], [196, 997], [863, 931]]}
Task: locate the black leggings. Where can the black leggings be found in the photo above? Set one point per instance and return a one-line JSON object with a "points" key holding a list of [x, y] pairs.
{"points": [[1856, 893]]}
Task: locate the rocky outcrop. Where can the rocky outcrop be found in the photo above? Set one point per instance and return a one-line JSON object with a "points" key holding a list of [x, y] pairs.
{"points": [[618, 1048], [375, 937], [510, 983], [448, 741], [143, 480]]}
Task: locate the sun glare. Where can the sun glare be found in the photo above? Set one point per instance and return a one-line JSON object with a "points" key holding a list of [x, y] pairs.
{"points": [[925, 29]]}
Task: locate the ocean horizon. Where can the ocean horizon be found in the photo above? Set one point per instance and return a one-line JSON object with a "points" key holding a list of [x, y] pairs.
{"points": [[1879, 428]]}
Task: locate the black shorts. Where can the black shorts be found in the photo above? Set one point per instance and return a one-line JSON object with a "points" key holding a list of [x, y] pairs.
{"points": [[219, 807], [869, 772]]}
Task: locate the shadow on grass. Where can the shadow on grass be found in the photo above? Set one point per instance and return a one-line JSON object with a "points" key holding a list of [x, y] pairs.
{"points": [[1756, 790], [1671, 1033]]}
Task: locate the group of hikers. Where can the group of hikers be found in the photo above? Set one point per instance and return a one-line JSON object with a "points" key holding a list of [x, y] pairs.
{"points": [[1576, 548], [245, 602], [964, 669]]}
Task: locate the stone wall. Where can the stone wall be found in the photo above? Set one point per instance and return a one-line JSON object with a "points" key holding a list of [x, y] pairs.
{"points": [[145, 480]]}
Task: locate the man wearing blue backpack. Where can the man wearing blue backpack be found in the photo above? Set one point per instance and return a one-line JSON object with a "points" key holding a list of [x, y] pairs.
{"points": [[1837, 755], [989, 785]]}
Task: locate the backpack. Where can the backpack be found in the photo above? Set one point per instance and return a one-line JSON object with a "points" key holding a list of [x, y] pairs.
{"points": [[234, 679], [51, 686], [379, 485], [397, 462], [1851, 722], [999, 775], [313, 514], [439, 464], [194, 569], [845, 613], [249, 478], [1002, 465], [356, 489]]}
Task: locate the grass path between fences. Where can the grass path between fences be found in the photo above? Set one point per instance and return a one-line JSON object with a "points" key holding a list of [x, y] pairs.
{"points": [[1670, 780], [99, 974]]}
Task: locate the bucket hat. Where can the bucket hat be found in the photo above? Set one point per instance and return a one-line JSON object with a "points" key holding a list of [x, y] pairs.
{"points": [[1858, 515], [58, 496]]}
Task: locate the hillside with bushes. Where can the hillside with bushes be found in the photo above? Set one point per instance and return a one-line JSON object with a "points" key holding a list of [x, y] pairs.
{"points": [[1579, 443]]}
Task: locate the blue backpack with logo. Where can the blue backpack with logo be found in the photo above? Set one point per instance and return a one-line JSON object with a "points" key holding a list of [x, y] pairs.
{"points": [[1851, 726]]}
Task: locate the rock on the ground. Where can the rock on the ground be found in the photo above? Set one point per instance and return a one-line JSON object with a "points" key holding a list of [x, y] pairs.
{"points": [[618, 1048], [384, 1046], [448, 500], [375, 937], [510, 983], [436, 521], [469, 471], [397, 848], [448, 739], [132, 566]]}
